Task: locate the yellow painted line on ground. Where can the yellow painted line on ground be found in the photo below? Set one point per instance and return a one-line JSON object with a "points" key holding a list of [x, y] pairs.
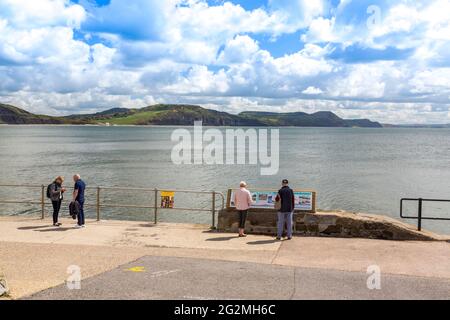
{"points": [[136, 269]]}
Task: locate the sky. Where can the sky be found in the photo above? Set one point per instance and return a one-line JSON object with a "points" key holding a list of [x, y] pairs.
{"points": [[380, 59]]}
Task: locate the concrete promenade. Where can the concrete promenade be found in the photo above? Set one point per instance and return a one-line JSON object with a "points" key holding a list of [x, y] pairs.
{"points": [[139, 260]]}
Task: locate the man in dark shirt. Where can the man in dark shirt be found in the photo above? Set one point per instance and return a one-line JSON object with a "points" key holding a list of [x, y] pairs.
{"points": [[78, 195], [286, 195]]}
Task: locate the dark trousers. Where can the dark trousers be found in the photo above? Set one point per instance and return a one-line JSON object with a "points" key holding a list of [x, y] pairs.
{"points": [[81, 214], [56, 207], [242, 218]]}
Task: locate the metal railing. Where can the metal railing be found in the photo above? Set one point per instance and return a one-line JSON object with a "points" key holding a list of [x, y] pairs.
{"points": [[420, 216], [217, 200]]}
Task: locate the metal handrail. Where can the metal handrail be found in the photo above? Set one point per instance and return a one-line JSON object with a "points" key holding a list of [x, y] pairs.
{"points": [[98, 205], [420, 216]]}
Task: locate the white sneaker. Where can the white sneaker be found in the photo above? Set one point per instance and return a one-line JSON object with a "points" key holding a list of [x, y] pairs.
{"points": [[78, 226]]}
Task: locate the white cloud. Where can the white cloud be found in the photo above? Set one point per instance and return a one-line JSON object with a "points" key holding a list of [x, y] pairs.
{"points": [[312, 91], [90, 101], [42, 13], [200, 80], [301, 64], [402, 24], [320, 30], [57, 55], [41, 45], [238, 50], [361, 81], [436, 81], [299, 13], [400, 18], [102, 56], [199, 20]]}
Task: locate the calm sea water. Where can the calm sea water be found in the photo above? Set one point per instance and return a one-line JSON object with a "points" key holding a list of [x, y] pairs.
{"points": [[363, 170]]}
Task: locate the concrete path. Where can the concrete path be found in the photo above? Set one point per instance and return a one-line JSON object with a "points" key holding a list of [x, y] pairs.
{"points": [[185, 278], [35, 256]]}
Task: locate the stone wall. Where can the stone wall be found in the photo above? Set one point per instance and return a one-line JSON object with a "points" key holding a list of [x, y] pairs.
{"points": [[327, 224]]}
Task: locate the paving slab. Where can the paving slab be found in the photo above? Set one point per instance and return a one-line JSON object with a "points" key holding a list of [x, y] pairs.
{"points": [[125, 233], [422, 259], [35, 255], [200, 279]]}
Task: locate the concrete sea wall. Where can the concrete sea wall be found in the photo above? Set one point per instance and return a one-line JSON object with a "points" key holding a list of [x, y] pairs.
{"points": [[327, 224]]}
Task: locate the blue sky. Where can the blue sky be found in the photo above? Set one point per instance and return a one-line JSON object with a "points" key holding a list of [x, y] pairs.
{"points": [[384, 60]]}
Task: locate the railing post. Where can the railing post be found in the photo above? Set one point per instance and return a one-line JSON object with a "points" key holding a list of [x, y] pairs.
{"points": [[213, 209], [43, 202], [98, 203], [419, 220], [156, 206], [401, 208]]}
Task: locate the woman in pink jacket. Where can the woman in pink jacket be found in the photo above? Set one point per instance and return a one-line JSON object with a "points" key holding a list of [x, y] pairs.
{"points": [[243, 201]]}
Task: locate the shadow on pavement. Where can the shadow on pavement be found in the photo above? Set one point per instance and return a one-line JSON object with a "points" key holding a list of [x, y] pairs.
{"points": [[147, 225], [259, 242], [222, 238], [33, 227], [56, 229], [47, 228]]}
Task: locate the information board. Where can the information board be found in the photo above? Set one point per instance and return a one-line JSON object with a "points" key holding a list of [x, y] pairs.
{"points": [[304, 200]]}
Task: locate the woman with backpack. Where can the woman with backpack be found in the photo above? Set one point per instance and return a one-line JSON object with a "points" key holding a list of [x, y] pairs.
{"points": [[55, 192]]}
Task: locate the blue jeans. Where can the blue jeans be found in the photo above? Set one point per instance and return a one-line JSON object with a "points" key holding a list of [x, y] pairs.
{"points": [[81, 214], [285, 217]]}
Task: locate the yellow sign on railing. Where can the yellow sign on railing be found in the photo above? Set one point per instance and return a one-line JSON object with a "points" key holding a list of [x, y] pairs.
{"points": [[167, 199]]}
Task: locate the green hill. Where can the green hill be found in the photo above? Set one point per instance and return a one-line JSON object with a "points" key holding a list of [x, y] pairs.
{"points": [[177, 115], [301, 119], [13, 115], [185, 115]]}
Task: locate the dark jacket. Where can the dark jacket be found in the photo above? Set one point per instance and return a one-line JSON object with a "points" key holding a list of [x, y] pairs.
{"points": [[56, 193], [74, 208], [286, 195]]}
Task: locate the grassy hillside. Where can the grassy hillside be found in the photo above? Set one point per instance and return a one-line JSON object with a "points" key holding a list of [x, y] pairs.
{"points": [[13, 115], [301, 119], [178, 115], [187, 114], [166, 114], [131, 118]]}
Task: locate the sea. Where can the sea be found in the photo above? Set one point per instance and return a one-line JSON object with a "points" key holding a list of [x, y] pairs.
{"points": [[353, 169]]}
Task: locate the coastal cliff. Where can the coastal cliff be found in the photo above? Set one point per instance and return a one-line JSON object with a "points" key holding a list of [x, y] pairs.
{"points": [[185, 115]]}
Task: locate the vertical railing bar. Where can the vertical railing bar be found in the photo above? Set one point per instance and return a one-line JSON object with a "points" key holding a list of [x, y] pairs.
{"points": [[401, 208], [98, 203], [43, 202], [213, 210], [156, 206], [419, 220]]}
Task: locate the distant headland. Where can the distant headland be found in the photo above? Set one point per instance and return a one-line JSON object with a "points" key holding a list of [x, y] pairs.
{"points": [[185, 115], [178, 115]]}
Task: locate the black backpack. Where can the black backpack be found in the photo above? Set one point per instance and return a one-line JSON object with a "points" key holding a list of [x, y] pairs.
{"points": [[49, 189]]}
